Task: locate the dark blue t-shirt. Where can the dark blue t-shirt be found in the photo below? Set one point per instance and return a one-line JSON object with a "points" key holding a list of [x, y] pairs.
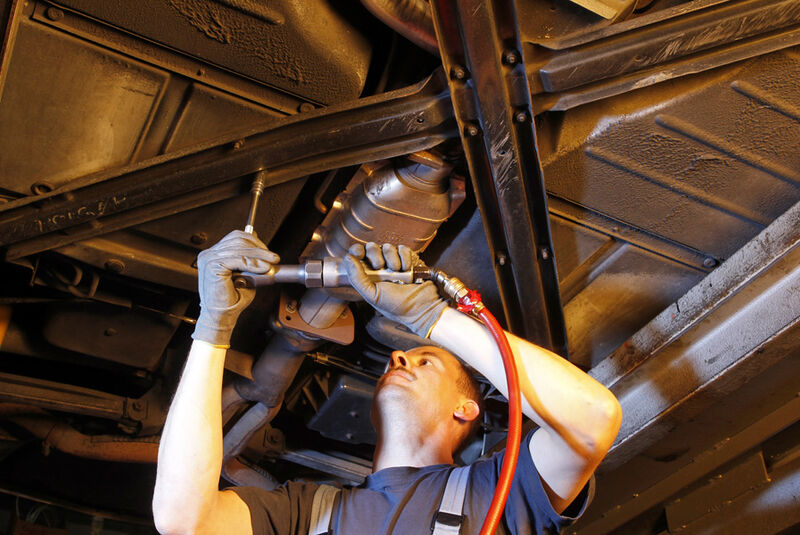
{"points": [[403, 500]]}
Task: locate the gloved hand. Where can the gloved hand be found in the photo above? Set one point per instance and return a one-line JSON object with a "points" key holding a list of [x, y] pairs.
{"points": [[220, 301], [417, 306]]}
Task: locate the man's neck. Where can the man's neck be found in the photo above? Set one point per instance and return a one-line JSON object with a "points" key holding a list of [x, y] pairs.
{"points": [[401, 448]]}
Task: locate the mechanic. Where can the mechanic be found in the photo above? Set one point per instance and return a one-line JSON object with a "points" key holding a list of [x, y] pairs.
{"points": [[423, 410]]}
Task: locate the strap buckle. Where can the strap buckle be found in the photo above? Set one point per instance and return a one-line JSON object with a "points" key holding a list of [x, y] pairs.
{"points": [[447, 519]]}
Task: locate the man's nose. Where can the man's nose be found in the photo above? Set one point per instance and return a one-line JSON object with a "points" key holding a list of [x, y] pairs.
{"points": [[399, 359]]}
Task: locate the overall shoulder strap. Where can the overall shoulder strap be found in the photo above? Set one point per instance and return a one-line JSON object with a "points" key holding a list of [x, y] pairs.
{"points": [[322, 509], [448, 519]]}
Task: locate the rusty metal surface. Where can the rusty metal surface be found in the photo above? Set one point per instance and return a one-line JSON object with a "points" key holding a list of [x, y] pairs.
{"points": [[403, 121], [57, 396], [289, 49], [207, 113], [10, 15], [707, 168], [634, 494], [186, 69], [738, 321], [89, 116], [660, 46], [111, 332]]}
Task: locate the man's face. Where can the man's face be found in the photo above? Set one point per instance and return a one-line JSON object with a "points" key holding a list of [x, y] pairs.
{"points": [[422, 383]]}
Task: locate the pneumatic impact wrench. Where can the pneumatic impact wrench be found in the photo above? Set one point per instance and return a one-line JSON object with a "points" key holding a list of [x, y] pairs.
{"points": [[327, 273]]}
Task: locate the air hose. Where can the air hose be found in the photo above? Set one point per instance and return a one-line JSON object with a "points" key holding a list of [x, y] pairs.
{"points": [[469, 302]]}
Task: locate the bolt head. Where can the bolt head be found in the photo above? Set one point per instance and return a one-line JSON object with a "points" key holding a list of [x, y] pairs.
{"points": [[510, 57], [545, 253], [709, 262], [305, 107], [54, 14], [199, 238], [521, 117], [471, 130], [458, 72], [501, 259]]}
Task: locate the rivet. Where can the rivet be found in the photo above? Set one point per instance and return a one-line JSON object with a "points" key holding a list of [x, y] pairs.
{"points": [[305, 107], [709, 262], [291, 306], [348, 436], [239, 144], [199, 238], [40, 188], [53, 13], [501, 259], [115, 265], [545, 253]]}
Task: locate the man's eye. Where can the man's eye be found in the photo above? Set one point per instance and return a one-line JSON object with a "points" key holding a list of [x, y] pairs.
{"points": [[424, 362]]}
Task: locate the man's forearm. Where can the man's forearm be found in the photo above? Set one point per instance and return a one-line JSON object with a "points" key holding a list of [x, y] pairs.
{"points": [[190, 454], [555, 394]]}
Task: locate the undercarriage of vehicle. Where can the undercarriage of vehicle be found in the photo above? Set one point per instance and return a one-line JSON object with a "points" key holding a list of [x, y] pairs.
{"points": [[619, 178]]}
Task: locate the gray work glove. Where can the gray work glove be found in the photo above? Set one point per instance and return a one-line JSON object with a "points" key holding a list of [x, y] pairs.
{"points": [[221, 302], [417, 306]]}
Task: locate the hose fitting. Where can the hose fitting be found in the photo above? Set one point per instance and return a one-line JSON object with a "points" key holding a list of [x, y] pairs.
{"points": [[467, 301]]}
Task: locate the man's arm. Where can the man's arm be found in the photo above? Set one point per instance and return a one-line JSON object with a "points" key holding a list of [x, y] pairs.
{"points": [[187, 499], [579, 417]]}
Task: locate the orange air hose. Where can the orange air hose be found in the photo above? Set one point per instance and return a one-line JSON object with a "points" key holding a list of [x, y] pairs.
{"points": [[471, 304]]}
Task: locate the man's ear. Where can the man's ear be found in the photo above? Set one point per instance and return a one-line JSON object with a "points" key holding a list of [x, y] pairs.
{"points": [[467, 411]]}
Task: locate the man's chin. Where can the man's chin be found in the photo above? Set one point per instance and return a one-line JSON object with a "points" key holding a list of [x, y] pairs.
{"points": [[391, 394]]}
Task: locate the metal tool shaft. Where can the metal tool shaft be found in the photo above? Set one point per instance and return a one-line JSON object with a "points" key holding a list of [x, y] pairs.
{"points": [[257, 189], [327, 273]]}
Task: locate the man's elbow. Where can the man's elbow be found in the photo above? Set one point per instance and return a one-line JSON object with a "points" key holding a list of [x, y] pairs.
{"points": [[170, 518], [606, 419]]}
